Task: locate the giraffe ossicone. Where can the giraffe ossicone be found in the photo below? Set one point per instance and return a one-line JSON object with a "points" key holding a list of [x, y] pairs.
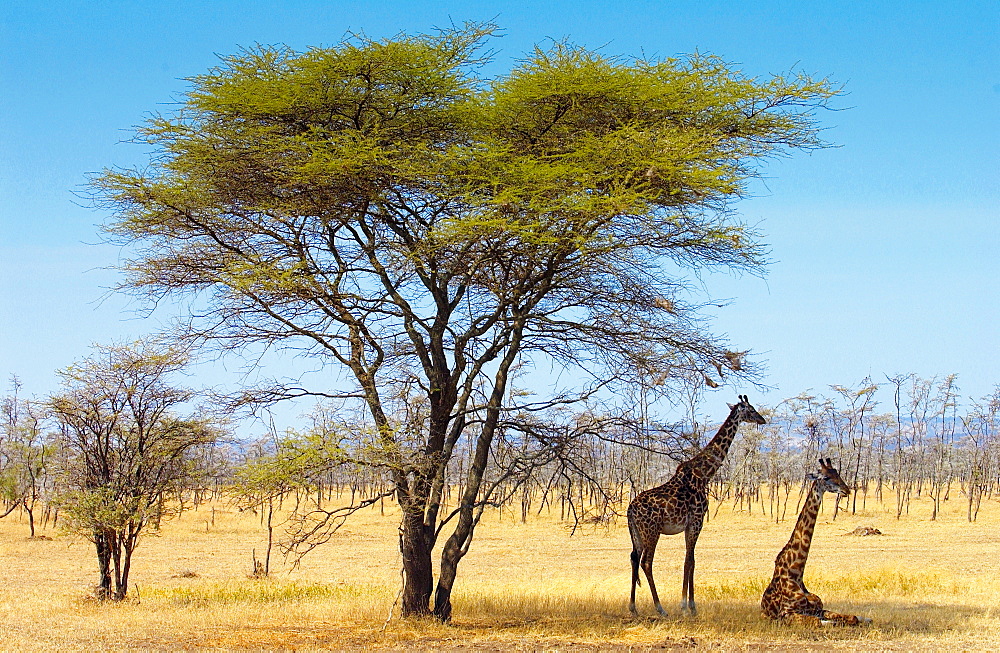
{"points": [[786, 597], [679, 506]]}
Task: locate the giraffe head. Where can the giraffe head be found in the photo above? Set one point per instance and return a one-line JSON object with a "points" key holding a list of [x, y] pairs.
{"points": [[744, 412], [828, 479]]}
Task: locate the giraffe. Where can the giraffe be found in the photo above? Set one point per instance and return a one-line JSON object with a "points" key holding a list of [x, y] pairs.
{"points": [[679, 505], [787, 598]]}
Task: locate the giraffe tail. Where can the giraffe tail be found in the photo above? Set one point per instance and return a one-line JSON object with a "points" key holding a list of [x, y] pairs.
{"points": [[636, 547]]}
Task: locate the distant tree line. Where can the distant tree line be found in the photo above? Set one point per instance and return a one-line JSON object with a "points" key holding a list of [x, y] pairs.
{"points": [[110, 456], [923, 442]]}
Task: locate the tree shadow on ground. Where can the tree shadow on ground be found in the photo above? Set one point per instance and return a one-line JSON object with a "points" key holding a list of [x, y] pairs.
{"points": [[731, 621], [720, 626]]}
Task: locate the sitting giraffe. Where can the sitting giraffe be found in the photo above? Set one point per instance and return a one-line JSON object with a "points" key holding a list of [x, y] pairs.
{"points": [[679, 505], [787, 598]]}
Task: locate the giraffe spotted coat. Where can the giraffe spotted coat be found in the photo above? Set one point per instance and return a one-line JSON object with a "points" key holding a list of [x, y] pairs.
{"points": [[786, 597], [679, 506]]}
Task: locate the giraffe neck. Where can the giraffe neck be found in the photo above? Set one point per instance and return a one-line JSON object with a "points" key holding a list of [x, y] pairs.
{"points": [[709, 459], [792, 558]]}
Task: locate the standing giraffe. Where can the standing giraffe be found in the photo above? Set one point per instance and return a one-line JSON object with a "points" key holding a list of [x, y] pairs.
{"points": [[679, 505], [787, 598]]}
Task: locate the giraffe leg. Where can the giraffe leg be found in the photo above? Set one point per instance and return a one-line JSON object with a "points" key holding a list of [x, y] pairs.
{"points": [[798, 619], [828, 618], [646, 562], [794, 606], [837, 619], [811, 604], [687, 589]]}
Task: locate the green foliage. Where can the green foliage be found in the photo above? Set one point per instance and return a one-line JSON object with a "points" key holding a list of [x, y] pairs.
{"points": [[296, 462], [91, 510], [571, 148], [24, 469], [10, 489]]}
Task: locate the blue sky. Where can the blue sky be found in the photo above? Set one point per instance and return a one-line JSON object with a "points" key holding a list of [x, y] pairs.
{"points": [[885, 247]]}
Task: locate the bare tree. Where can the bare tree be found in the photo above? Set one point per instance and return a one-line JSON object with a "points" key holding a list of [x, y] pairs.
{"points": [[859, 402], [982, 435], [25, 454], [944, 423], [883, 429]]}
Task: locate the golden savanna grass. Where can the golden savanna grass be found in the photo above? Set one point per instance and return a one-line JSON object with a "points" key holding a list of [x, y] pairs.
{"points": [[524, 586]]}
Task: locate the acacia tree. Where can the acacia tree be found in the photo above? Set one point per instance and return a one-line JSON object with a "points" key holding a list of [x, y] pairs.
{"points": [[384, 207], [123, 449]]}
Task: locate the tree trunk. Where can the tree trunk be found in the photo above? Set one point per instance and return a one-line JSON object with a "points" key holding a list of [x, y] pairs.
{"points": [[415, 544], [31, 518], [454, 550], [127, 543], [103, 545], [450, 557], [115, 540], [270, 537], [458, 543]]}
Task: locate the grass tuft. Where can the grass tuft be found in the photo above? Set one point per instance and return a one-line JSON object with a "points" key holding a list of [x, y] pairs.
{"points": [[870, 584], [749, 588], [887, 582], [258, 592]]}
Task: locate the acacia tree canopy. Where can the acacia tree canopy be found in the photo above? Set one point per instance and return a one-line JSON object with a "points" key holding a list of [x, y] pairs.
{"points": [[384, 206]]}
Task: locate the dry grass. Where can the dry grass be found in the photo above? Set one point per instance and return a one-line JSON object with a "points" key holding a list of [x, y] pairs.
{"points": [[926, 585]]}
